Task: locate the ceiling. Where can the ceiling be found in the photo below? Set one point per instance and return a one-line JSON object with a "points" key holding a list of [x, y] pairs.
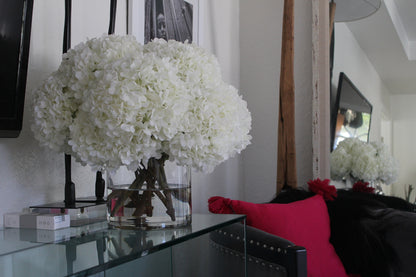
{"points": [[388, 36]]}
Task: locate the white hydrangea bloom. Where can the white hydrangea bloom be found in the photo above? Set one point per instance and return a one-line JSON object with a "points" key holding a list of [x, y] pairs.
{"points": [[340, 162], [53, 114], [363, 161], [364, 164], [388, 166], [114, 102]]}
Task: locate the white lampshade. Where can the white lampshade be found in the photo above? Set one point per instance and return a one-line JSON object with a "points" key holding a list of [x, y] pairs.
{"points": [[350, 10]]}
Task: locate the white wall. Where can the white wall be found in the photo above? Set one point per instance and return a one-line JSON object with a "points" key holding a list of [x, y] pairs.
{"points": [[404, 134], [246, 37], [220, 35], [260, 42], [32, 175]]}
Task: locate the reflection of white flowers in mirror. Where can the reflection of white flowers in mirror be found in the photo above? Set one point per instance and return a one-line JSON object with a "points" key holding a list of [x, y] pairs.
{"points": [[364, 161], [116, 102]]}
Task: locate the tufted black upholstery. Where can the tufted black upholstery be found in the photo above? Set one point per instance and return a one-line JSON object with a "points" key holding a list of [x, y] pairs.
{"points": [[267, 254]]}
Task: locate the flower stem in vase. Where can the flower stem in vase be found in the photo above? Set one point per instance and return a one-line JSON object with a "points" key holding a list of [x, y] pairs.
{"points": [[152, 182], [144, 202], [121, 196], [165, 197]]}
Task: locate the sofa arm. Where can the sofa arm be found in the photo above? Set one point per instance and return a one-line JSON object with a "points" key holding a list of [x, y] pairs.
{"points": [[264, 247]]}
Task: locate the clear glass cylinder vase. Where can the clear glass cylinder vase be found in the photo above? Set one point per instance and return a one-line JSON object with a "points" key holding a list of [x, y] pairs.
{"points": [[152, 197]]}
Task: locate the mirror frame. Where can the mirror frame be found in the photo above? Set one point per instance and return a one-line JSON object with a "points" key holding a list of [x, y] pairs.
{"points": [[320, 89]]}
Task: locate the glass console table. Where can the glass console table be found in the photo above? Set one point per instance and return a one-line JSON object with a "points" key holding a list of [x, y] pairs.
{"points": [[99, 250]]}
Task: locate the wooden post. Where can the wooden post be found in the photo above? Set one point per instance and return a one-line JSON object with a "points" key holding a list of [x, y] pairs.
{"points": [[286, 157], [320, 89]]}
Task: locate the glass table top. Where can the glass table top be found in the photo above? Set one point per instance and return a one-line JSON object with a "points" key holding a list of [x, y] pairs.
{"points": [[79, 251]]}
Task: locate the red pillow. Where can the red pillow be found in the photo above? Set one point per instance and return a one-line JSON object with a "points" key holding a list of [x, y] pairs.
{"points": [[305, 223]]}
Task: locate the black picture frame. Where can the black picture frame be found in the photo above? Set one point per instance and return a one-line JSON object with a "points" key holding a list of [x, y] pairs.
{"points": [[15, 29], [168, 19], [179, 21]]}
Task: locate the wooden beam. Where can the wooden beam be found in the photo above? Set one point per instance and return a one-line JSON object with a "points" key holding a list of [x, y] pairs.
{"points": [[320, 89], [286, 157]]}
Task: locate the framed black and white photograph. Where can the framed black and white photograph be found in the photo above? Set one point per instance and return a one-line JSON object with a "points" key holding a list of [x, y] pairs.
{"points": [[167, 19]]}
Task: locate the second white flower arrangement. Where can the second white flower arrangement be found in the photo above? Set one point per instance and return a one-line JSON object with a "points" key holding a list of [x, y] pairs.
{"points": [[363, 161]]}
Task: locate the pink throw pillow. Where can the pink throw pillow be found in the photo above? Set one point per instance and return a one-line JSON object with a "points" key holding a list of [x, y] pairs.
{"points": [[305, 223]]}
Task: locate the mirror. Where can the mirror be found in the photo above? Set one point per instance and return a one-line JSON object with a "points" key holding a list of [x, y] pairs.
{"points": [[376, 56], [351, 117]]}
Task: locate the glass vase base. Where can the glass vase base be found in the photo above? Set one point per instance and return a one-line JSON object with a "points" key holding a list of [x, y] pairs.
{"points": [[152, 197], [148, 223], [149, 208]]}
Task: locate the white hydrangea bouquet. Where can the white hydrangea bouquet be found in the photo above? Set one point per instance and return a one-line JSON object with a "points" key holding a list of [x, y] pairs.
{"points": [[115, 102], [359, 160]]}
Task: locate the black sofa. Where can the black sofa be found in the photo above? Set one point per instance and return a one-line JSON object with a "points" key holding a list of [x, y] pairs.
{"points": [[374, 236], [267, 254]]}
